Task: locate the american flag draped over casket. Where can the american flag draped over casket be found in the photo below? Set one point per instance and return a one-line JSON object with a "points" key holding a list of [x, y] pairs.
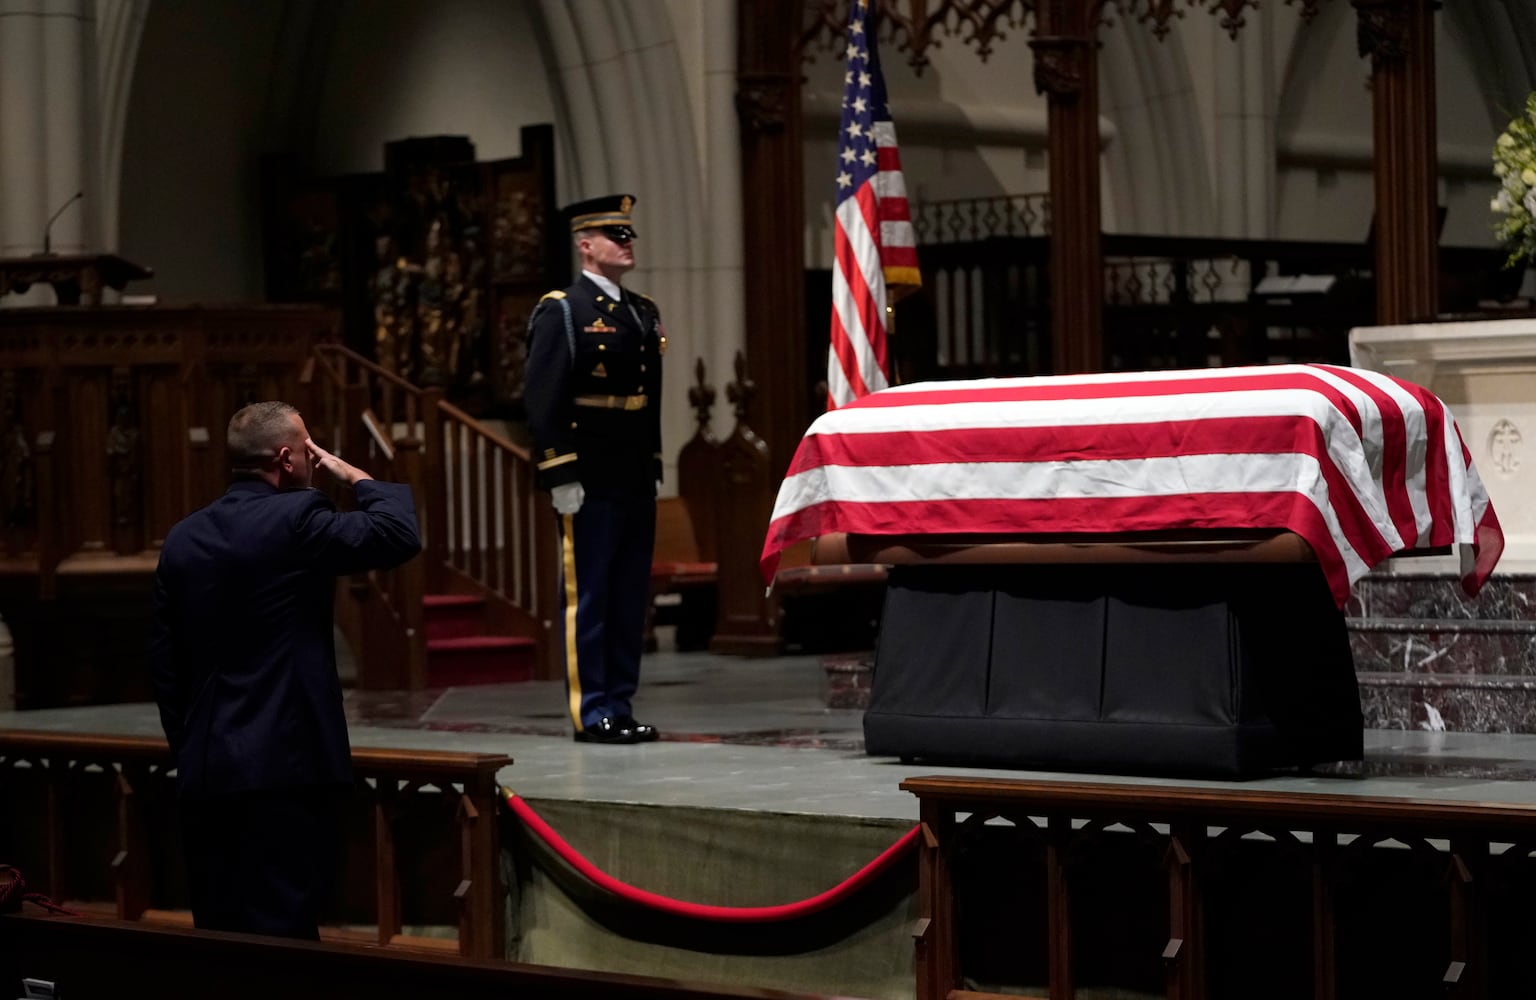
{"points": [[1359, 464]]}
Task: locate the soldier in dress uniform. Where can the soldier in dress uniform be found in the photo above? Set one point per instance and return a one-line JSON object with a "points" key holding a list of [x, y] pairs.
{"points": [[593, 395]]}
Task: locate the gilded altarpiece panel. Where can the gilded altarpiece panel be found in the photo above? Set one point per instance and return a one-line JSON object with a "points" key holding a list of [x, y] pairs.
{"points": [[435, 263]]}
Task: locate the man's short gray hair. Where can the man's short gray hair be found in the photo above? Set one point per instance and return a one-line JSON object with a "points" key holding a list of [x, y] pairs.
{"points": [[257, 431]]}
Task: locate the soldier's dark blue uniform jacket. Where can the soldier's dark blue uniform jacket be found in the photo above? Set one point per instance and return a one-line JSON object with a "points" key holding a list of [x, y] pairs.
{"points": [[593, 390]]}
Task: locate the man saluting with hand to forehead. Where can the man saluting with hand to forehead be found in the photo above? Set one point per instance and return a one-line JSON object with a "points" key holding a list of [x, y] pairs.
{"points": [[242, 659]]}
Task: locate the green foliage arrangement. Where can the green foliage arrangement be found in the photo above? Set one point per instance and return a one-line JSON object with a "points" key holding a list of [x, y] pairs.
{"points": [[1514, 163]]}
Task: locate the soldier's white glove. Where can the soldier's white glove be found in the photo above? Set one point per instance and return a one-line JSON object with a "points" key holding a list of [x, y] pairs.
{"points": [[567, 497]]}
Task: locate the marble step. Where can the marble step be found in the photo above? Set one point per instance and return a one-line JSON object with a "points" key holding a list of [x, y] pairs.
{"points": [[1509, 597], [1461, 703], [1448, 646]]}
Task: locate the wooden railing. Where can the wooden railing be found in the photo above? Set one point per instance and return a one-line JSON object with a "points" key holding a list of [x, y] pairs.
{"points": [[90, 823], [372, 417], [484, 530], [1219, 891], [499, 537]]}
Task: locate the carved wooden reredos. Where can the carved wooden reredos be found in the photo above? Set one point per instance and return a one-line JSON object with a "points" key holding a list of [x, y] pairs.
{"points": [[435, 263]]}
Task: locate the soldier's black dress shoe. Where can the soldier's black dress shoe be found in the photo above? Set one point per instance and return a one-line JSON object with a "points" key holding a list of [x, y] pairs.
{"points": [[643, 733], [610, 731]]}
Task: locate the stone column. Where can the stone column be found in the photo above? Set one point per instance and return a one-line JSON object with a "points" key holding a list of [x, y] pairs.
{"points": [[1067, 73], [119, 26], [46, 117], [722, 336], [1399, 36]]}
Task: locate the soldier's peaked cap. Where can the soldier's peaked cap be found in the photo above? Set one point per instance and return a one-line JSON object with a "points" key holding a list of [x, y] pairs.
{"points": [[595, 213]]}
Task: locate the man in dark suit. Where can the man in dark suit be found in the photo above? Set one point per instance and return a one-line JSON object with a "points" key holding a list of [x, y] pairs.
{"points": [[243, 664], [593, 395]]}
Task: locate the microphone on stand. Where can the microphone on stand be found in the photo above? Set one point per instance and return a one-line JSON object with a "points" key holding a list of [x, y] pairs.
{"points": [[48, 229]]}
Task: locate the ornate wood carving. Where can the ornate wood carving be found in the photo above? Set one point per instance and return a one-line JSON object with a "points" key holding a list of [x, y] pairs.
{"points": [[18, 484], [1159, 14], [915, 26], [976, 22], [761, 103], [1231, 12], [701, 396], [77, 279], [699, 476], [124, 462], [1382, 29], [1309, 8], [746, 624], [739, 392], [435, 262], [1060, 64]]}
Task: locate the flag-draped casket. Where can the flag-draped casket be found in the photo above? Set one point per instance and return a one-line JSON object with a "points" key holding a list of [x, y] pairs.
{"points": [[1217, 668], [1359, 464]]}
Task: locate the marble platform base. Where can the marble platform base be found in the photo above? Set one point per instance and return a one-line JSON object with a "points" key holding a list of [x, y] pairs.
{"points": [[848, 677], [1428, 657]]}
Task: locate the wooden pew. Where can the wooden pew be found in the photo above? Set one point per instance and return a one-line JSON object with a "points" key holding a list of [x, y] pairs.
{"points": [[108, 958], [90, 822], [683, 579]]}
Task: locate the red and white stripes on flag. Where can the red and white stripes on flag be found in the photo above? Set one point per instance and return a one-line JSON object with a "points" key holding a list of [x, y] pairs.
{"points": [[873, 242], [1359, 464]]}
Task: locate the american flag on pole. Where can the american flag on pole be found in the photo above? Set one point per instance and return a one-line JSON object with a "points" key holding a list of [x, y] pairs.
{"points": [[1358, 464], [873, 241]]}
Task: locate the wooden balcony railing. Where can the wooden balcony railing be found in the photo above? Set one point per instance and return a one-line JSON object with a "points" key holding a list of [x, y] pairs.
{"points": [[90, 821]]}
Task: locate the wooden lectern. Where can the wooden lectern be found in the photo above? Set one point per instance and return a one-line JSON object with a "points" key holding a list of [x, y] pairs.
{"points": [[77, 279]]}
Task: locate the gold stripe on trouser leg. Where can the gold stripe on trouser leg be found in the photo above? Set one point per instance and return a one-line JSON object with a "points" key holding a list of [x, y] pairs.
{"points": [[572, 675]]}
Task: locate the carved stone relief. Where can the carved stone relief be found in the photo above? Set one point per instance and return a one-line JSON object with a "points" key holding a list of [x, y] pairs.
{"points": [[1504, 447]]}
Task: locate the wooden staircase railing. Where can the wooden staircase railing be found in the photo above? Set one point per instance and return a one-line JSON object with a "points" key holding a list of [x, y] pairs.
{"points": [[484, 528]]}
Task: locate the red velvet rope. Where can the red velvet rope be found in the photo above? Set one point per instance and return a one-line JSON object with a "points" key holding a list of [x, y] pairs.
{"points": [[705, 911], [13, 892]]}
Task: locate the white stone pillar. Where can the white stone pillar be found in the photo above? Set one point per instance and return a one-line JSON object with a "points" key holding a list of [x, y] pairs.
{"points": [[724, 333], [23, 173], [119, 26], [1246, 105], [46, 117], [68, 30]]}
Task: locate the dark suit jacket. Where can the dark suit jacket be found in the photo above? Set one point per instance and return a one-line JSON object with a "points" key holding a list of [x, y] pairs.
{"points": [[617, 353], [242, 653]]}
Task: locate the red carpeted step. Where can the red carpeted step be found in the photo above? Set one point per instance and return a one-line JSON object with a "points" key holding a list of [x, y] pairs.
{"points": [[453, 616], [479, 659]]}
